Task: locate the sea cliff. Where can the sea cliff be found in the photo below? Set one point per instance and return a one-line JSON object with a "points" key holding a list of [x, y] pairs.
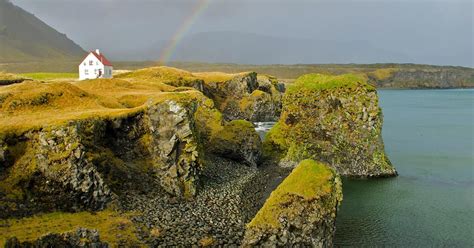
{"points": [[171, 158]]}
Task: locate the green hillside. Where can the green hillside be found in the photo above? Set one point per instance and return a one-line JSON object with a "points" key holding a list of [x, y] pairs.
{"points": [[24, 37]]}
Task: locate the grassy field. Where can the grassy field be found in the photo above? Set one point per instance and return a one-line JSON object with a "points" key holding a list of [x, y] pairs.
{"points": [[50, 75]]}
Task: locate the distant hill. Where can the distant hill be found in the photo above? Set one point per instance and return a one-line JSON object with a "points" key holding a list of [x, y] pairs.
{"points": [[250, 48], [24, 37]]}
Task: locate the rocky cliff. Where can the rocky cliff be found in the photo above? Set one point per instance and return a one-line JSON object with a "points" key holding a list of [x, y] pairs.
{"points": [[165, 157], [80, 146], [335, 119], [300, 212], [422, 78]]}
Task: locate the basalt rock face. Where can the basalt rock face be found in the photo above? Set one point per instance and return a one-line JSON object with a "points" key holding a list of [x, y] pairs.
{"points": [[334, 119], [84, 164], [82, 237], [300, 212], [247, 96]]}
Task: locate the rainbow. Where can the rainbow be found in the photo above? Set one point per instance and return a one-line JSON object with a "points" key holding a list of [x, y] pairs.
{"points": [[170, 47]]}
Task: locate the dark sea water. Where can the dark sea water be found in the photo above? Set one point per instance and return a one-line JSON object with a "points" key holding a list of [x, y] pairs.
{"points": [[429, 137]]}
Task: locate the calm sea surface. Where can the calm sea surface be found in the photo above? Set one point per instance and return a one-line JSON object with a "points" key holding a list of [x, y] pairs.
{"points": [[429, 137]]}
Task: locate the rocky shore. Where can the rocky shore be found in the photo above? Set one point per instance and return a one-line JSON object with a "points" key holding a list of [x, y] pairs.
{"points": [[164, 157], [219, 212]]}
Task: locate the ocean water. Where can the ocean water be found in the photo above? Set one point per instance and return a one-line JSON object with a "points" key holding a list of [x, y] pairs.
{"points": [[429, 137]]}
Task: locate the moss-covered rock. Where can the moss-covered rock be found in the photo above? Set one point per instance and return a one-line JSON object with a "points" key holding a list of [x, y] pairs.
{"points": [[245, 96], [335, 119], [53, 229], [239, 141], [86, 163], [300, 212], [82, 237]]}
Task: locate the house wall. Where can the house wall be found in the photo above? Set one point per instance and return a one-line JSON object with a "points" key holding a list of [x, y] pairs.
{"points": [[90, 66]]}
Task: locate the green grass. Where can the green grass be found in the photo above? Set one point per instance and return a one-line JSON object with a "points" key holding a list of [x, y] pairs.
{"points": [[309, 180], [113, 227], [320, 82], [50, 75]]}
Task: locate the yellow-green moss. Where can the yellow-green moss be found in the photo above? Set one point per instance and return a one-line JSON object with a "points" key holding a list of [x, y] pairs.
{"points": [[21, 171], [322, 82], [275, 144], [114, 227], [162, 74], [309, 180], [208, 119], [234, 128], [214, 77], [32, 105]]}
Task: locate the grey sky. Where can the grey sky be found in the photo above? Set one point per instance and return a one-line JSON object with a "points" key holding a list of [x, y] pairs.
{"points": [[425, 31]]}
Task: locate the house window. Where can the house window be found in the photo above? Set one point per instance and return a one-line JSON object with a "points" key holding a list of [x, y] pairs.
{"points": [[91, 62], [84, 63], [86, 72], [96, 63]]}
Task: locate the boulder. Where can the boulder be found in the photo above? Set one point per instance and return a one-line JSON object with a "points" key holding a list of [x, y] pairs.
{"points": [[334, 119], [238, 141], [300, 212]]}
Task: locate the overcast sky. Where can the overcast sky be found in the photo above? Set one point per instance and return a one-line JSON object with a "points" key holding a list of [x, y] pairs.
{"points": [[430, 31]]}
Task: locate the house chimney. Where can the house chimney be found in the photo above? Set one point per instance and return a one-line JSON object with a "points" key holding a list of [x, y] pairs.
{"points": [[97, 51]]}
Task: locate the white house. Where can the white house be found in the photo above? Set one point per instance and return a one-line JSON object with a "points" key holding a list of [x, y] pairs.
{"points": [[95, 65]]}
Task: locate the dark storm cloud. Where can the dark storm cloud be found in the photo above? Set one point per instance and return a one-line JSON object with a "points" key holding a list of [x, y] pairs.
{"points": [[421, 31]]}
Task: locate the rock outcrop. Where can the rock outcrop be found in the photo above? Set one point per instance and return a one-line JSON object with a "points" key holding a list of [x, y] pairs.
{"points": [[238, 141], [94, 148], [84, 164], [82, 237], [246, 96], [334, 119], [300, 212]]}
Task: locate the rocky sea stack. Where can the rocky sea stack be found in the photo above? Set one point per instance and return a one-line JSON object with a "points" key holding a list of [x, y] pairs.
{"points": [[166, 157], [334, 119]]}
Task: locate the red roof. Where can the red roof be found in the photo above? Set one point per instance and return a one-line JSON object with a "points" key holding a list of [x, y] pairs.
{"points": [[100, 57]]}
